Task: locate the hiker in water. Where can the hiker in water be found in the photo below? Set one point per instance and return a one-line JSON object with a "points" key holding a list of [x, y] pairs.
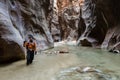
{"points": [[31, 49]]}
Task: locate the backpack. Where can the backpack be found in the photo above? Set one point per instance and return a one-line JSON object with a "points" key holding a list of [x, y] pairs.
{"points": [[30, 46]]}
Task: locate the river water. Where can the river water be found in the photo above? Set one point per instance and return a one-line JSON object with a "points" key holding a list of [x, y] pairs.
{"points": [[51, 65]]}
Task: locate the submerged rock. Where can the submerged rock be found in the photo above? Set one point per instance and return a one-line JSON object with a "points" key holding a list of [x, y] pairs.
{"points": [[114, 51], [87, 73]]}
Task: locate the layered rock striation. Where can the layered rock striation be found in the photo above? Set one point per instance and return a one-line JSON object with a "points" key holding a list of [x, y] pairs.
{"points": [[18, 18], [93, 23]]}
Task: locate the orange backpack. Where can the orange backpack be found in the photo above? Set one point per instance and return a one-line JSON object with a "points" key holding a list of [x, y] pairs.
{"points": [[31, 46]]}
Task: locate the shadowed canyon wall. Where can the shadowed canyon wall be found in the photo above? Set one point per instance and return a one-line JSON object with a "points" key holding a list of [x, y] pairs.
{"points": [[90, 22], [93, 23]]}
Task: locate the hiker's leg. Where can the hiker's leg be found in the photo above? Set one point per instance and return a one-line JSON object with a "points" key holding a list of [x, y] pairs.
{"points": [[28, 57], [31, 56]]}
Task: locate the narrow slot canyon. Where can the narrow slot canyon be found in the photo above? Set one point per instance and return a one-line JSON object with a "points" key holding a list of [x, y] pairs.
{"points": [[75, 39]]}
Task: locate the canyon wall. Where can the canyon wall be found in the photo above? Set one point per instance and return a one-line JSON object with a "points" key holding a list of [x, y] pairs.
{"points": [[19, 18], [90, 22]]}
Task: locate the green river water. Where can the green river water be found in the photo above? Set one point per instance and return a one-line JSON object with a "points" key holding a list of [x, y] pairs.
{"points": [[48, 65]]}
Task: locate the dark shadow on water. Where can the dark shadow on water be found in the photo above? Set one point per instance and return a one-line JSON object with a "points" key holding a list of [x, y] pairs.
{"points": [[8, 63], [5, 64]]}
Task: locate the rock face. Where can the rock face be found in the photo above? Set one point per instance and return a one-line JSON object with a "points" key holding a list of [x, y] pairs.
{"points": [[89, 22], [77, 20], [19, 18], [10, 38], [111, 18]]}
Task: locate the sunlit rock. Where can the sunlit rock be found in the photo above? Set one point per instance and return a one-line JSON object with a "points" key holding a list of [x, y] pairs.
{"points": [[17, 20], [10, 37]]}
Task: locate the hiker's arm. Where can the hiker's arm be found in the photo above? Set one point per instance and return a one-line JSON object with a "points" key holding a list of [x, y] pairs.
{"points": [[35, 51], [35, 46]]}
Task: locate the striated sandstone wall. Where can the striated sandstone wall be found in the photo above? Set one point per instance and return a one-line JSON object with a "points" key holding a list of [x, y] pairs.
{"points": [[18, 18], [93, 23]]}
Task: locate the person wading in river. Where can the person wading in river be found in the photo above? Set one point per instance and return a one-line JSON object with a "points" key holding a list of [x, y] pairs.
{"points": [[31, 49]]}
